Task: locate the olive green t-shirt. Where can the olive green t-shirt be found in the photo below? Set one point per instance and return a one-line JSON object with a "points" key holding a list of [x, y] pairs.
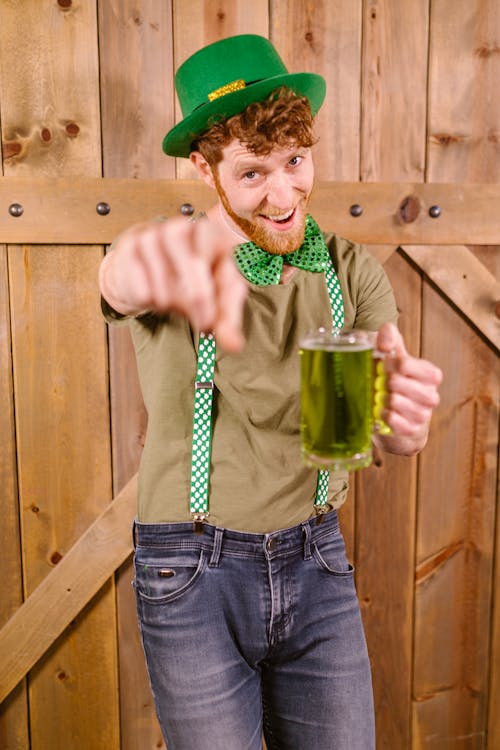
{"points": [[258, 482]]}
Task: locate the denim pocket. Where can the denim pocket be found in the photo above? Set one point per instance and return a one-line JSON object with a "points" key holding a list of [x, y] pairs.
{"points": [[329, 553], [161, 579]]}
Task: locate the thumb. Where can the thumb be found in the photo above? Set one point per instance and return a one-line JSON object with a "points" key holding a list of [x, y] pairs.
{"points": [[390, 341]]}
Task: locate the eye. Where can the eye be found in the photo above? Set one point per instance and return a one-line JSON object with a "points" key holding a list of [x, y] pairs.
{"points": [[295, 161], [250, 175]]}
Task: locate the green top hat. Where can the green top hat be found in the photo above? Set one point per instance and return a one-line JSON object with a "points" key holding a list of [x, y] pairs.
{"points": [[220, 80]]}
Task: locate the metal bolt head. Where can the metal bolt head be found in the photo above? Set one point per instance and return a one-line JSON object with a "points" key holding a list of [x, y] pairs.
{"points": [[103, 209], [15, 209], [356, 210], [187, 209], [435, 212]]}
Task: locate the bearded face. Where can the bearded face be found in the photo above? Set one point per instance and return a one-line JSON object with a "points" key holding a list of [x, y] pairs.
{"points": [[266, 197]]}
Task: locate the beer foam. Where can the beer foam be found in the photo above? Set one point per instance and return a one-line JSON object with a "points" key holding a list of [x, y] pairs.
{"points": [[321, 346]]}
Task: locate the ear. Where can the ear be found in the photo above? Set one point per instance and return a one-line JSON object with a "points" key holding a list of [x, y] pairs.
{"points": [[202, 167]]}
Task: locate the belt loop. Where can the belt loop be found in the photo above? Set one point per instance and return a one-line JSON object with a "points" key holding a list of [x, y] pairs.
{"points": [[307, 540], [214, 560], [134, 533]]}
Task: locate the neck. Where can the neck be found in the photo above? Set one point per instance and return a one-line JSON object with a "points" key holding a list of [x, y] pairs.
{"points": [[222, 215]]}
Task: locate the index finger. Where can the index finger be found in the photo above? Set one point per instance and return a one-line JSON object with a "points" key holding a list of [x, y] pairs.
{"points": [[416, 368]]}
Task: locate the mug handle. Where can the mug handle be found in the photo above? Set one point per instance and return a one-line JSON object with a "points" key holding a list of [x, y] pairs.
{"points": [[380, 392]]}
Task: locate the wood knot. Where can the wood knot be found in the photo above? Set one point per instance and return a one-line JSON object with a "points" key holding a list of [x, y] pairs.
{"points": [[64, 4], [11, 148], [409, 209], [46, 135], [55, 557], [445, 139], [486, 51], [72, 129], [309, 37]]}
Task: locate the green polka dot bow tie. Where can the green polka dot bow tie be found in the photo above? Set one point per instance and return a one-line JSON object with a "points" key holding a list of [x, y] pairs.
{"points": [[263, 268]]}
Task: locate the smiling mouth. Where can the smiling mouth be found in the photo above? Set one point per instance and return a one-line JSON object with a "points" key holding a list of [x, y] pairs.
{"points": [[281, 219]]}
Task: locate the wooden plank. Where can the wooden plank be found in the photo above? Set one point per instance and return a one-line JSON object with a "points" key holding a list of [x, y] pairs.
{"points": [[394, 90], [385, 522], [325, 38], [455, 536], [201, 22], [393, 148], [466, 282], [136, 62], [462, 145], [494, 687], [51, 125], [14, 712], [464, 111], [137, 102], [62, 210], [64, 457], [66, 590]]}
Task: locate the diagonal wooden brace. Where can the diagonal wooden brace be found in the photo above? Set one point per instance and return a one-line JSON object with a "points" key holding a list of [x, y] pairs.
{"points": [[66, 590]]}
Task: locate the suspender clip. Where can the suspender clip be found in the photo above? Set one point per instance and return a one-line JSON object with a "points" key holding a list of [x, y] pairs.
{"points": [[204, 384], [321, 511], [198, 521]]}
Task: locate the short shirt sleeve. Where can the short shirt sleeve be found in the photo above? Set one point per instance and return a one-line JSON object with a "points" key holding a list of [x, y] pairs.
{"points": [[368, 296]]}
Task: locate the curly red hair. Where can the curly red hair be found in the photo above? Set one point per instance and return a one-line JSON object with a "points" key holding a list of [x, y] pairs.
{"points": [[284, 119]]}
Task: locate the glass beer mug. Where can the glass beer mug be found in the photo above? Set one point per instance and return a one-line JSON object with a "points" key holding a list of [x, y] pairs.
{"points": [[342, 397]]}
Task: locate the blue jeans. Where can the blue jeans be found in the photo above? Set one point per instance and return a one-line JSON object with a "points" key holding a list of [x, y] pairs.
{"points": [[250, 633]]}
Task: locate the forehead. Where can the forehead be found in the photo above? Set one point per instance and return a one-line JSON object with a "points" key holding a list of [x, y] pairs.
{"points": [[237, 154]]}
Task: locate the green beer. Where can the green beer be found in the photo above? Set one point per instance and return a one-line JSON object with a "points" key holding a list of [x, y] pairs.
{"points": [[337, 399]]}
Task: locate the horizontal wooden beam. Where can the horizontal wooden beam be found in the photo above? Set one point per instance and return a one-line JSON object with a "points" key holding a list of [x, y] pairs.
{"points": [[66, 590], [63, 211], [466, 282]]}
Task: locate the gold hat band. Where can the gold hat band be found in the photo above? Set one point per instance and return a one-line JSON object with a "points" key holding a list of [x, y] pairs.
{"points": [[227, 89]]}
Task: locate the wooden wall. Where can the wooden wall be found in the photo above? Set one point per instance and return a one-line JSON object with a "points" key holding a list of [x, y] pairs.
{"points": [[86, 90]]}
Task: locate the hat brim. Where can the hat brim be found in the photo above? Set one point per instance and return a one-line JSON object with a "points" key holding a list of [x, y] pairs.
{"points": [[178, 141]]}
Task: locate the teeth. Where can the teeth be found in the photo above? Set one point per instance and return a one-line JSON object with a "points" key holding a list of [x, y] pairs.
{"points": [[281, 217]]}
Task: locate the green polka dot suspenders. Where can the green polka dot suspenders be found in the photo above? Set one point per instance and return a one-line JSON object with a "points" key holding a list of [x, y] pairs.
{"points": [[337, 308], [202, 419], [202, 429]]}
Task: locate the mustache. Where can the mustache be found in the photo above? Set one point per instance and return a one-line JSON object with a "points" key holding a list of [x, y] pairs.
{"points": [[272, 211]]}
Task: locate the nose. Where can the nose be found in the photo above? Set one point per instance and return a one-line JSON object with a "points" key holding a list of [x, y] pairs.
{"points": [[280, 191]]}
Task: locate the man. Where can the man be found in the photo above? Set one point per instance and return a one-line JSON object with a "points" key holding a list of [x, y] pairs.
{"points": [[246, 601]]}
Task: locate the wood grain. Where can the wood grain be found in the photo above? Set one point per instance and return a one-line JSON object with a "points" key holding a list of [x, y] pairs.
{"points": [[66, 590], [454, 594], [393, 148], [61, 210], [136, 62], [455, 536], [51, 125], [385, 521], [394, 90], [464, 112], [14, 712], [466, 282]]}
